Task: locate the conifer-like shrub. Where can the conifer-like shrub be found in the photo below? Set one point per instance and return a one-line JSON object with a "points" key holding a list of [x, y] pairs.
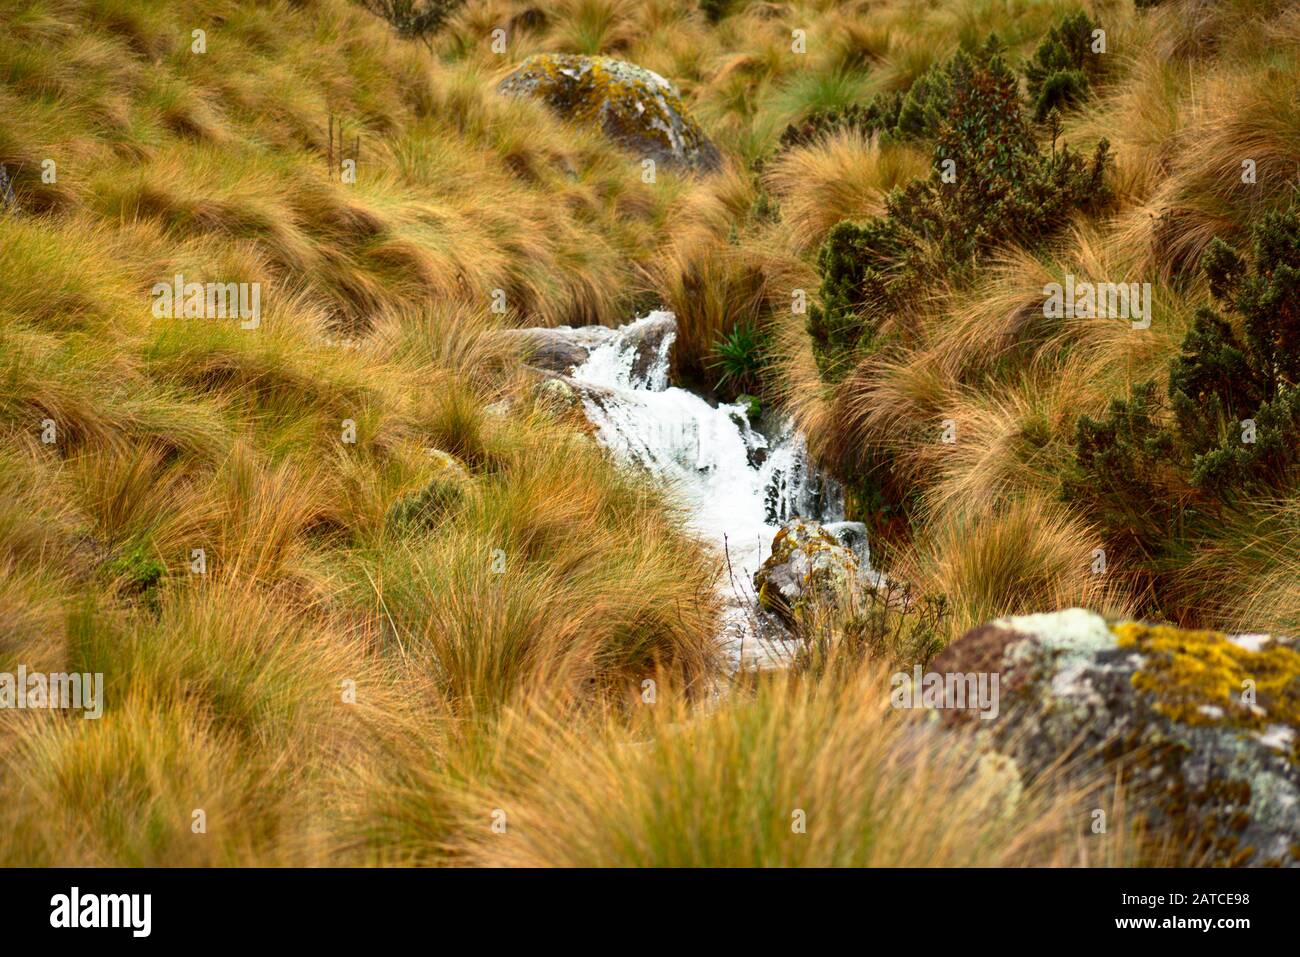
{"points": [[1232, 425], [991, 184], [1060, 72], [413, 19]]}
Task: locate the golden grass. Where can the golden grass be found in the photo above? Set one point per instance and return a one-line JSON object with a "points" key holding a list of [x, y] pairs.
{"points": [[997, 560], [843, 177], [795, 774]]}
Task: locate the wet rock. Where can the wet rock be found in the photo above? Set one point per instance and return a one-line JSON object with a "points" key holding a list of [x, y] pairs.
{"points": [[557, 394], [808, 568], [1205, 725], [853, 536], [562, 349], [559, 350], [638, 109]]}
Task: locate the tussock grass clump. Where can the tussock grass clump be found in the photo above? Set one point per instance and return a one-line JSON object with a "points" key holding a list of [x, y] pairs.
{"points": [[796, 773]]}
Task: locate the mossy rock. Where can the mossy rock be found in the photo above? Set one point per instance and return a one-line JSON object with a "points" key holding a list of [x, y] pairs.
{"points": [[1205, 725], [443, 491], [808, 568], [638, 109]]}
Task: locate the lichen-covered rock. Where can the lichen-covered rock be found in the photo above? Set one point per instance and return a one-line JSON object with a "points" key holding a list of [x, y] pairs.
{"points": [[556, 395], [808, 568], [853, 536], [637, 109], [1205, 725], [446, 466]]}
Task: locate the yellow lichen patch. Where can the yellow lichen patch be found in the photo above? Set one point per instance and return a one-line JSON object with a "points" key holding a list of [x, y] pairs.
{"points": [[1204, 678]]}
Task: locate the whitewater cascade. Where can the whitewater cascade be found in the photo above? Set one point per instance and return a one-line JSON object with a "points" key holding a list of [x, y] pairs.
{"points": [[737, 484]]}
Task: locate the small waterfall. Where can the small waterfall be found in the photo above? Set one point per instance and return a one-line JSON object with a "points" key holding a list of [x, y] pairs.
{"points": [[738, 485]]}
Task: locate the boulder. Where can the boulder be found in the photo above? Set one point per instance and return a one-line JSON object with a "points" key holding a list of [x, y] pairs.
{"points": [[637, 109], [559, 350], [445, 466], [808, 568], [1205, 725], [557, 395]]}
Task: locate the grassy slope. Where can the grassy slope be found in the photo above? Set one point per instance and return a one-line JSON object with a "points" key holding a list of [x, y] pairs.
{"points": [[551, 575], [225, 690]]}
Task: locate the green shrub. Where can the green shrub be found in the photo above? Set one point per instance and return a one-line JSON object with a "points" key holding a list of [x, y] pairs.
{"points": [[1059, 73], [1219, 384], [1232, 426], [140, 572], [1125, 464], [916, 114], [880, 115], [990, 185], [413, 19], [855, 262]]}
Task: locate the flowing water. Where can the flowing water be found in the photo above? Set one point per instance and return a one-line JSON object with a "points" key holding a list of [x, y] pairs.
{"points": [[738, 484]]}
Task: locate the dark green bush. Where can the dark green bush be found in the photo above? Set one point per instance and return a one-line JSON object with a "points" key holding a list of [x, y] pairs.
{"points": [[1232, 427], [413, 19], [1126, 476], [914, 115], [879, 115], [1218, 381], [855, 262], [1003, 188], [1059, 73]]}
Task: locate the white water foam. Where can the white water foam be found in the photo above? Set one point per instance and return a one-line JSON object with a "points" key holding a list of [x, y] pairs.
{"points": [[738, 486]]}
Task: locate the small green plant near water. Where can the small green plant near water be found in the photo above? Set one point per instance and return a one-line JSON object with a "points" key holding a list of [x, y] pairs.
{"points": [[740, 357], [753, 405]]}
